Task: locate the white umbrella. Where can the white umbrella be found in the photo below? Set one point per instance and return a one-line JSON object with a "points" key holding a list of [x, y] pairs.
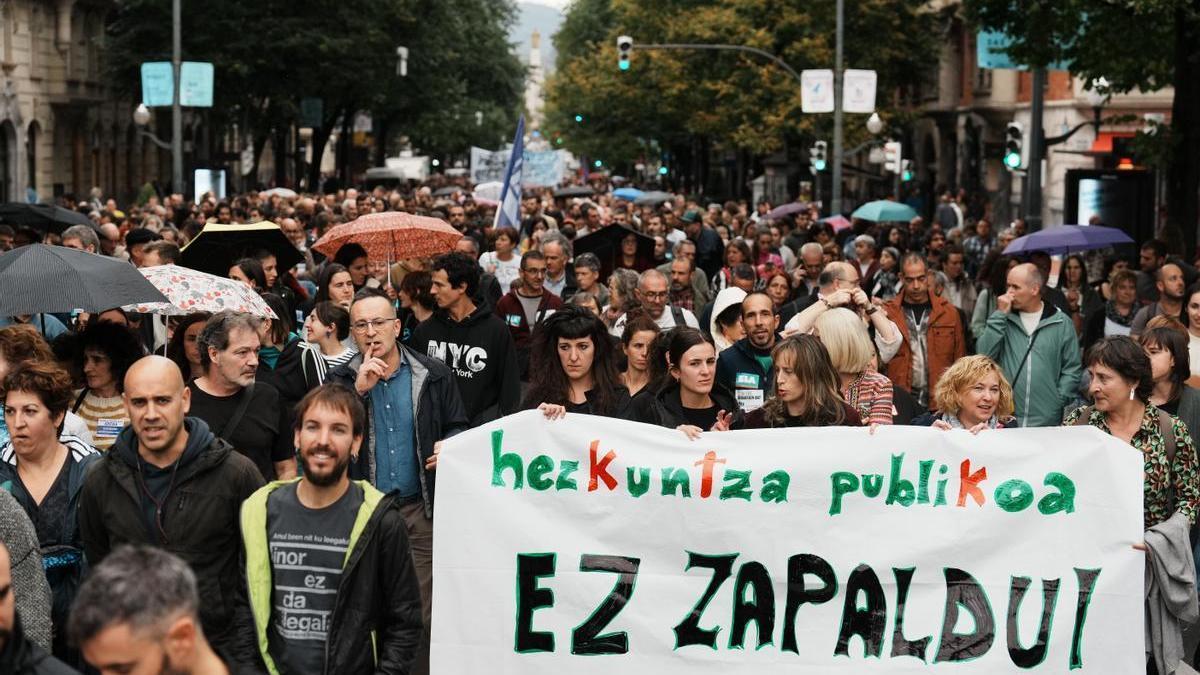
{"points": [[189, 291]]}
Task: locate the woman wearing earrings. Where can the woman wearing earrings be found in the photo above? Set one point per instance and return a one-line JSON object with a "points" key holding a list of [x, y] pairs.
{"points": [[1121, 385]]}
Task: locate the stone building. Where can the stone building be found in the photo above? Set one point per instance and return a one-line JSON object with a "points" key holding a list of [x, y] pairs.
{"points": [[62, 130]]}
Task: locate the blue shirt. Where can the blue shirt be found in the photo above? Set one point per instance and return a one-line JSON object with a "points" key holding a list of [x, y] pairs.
{"points": [[396, 462], [54, 327]]}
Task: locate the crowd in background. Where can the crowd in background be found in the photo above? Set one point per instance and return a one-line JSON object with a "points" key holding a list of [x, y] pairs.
{"points": [[698, 317]]}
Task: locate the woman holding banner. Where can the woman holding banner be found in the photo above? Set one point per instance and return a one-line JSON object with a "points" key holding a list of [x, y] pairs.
{"points": [[684, 393], [806, 389], [1121, 385], [574, 367], [971, 394], [637, 341]]}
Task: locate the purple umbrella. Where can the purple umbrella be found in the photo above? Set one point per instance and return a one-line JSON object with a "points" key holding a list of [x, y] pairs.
{"points": [[1064, 239], [781, 212]]}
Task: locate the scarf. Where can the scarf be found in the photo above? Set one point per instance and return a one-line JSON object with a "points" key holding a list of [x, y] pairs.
{"points": [[1113, 314], [954, 423]]}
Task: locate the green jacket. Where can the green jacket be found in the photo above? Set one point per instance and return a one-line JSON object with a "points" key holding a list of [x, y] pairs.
{"points": [[376, 625], [1047, 381]]}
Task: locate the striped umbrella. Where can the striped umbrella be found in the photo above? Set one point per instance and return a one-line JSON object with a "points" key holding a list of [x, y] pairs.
{"points": [[189, 291], [392, 235]]}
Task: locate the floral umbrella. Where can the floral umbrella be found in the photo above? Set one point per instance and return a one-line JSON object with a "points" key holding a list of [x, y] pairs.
{"points": [[392, 235], [190, 291]]}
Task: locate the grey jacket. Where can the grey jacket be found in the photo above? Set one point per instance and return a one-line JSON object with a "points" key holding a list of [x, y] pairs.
{"points": [[28, 580], [1170, 591]]}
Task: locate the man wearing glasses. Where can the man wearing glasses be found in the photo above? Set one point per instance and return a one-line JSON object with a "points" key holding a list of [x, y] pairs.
{"points": [[527, 305], [412, 403], [653, 292]]}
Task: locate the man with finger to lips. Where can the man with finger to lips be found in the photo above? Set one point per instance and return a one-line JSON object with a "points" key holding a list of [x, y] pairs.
{"points": [[412, 403]]}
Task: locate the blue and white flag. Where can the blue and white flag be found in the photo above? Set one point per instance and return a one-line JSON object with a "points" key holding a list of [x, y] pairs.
{"points": [[508, 214]]}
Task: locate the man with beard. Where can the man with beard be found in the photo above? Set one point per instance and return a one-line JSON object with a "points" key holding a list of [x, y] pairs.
{"points": [[248, 414], [18, 654], [1169, 283], [932, 331], [682, 295], [138, 612], [169, 482], [329, 573], [746, 367]]}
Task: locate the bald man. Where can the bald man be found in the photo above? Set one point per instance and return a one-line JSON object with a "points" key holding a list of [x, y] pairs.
{"points": [[1036, 346], [169, 481], [18, 654]]}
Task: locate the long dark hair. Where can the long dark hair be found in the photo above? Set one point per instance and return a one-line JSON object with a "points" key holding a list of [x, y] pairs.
{"points": [[327, 278], [821, 403], [253, 270], [175, 348], [668, 351], [549, 383]]}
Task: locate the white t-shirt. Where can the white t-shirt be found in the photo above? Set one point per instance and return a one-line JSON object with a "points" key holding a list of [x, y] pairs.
{"points": [[1030, 320], [665, 322], [506, 271]]}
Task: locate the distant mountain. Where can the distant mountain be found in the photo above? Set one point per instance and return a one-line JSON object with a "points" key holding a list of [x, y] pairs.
{"points": [[546, 20]]}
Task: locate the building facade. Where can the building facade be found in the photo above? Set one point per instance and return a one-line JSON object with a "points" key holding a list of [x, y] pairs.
{"points": [[62, 130], [958, 142]]}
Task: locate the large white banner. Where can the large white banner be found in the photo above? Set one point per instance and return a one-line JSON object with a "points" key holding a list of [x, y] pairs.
{"points": [[591, 545]]}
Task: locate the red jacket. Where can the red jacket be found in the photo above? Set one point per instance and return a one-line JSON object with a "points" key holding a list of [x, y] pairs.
{"points": [[944, 344], [510, 310]]}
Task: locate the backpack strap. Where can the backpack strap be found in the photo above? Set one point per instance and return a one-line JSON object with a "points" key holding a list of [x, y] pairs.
{"points": [[1166, 428], [677, 314]]}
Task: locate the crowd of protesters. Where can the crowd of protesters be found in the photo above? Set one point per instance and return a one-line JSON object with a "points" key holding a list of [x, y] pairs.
{"points": [[185, 505]]}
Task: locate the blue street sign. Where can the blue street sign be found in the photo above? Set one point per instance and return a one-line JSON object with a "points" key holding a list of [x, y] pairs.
{"points": [[990, 52], [195, 88], [158, 84], [196, 84]]}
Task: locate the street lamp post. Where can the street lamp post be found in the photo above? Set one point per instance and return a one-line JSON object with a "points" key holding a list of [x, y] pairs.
{"points": [[176, 108], [835, 206]]}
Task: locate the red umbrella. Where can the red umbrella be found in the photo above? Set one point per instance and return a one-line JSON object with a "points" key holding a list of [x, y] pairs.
{"points": [[392, 235]]}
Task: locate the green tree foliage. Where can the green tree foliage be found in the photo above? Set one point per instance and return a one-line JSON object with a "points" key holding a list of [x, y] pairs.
{"points": [[737, 100], [1143, 44], [268, 54]]}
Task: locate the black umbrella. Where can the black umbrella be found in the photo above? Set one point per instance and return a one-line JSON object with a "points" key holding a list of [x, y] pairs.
{"points": [[575, 191], [218, 246], [606, 244], [45, 217], [47, 279]]}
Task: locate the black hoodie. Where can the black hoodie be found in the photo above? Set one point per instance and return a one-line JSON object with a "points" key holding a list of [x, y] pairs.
{"points": [[200, 496], [19, 656], [480, 354]]}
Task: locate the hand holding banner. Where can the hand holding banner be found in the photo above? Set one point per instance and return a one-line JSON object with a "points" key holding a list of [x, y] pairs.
{"points": [[588, 544]]}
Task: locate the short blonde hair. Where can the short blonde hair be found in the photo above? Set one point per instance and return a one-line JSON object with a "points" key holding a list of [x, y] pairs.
{"points": [[965, 372], [846, 339]]}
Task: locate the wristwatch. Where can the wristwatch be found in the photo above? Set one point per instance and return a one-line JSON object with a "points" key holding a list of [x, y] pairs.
{"points": [[826, 303], [871, 310]]}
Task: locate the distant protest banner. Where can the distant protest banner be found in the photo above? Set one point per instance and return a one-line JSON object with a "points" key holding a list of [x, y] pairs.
{"points": [[544, 168], [590, 545]]}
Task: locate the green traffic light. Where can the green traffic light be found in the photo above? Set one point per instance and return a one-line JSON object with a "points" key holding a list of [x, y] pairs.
{"points": [[623, 64], [597, 164], [662, 170], [1012, 160], [907, 176], [578, 119], [819, 165]]}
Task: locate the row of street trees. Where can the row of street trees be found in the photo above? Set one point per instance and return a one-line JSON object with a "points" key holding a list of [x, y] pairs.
{"points": [[270, 54], [689, 103]]}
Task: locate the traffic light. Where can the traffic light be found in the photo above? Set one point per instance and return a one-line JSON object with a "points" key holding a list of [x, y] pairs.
{"points": [[624, 51], [892, 156], [579, 119], [662, 170], [906, 173], [1014, 144], [817, 155]]}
